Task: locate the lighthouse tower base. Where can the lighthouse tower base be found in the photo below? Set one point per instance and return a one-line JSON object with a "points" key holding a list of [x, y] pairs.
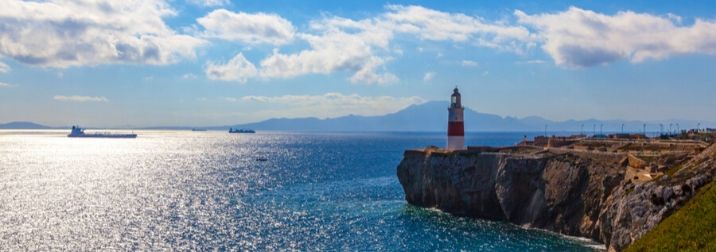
{"points": [[456, 143]]}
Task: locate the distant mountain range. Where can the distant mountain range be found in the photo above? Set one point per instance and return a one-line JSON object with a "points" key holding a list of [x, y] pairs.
{"points": [[432, 116], [23, 125]]}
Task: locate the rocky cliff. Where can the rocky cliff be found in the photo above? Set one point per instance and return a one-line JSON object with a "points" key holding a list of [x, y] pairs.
{"points": [[578, 193]]}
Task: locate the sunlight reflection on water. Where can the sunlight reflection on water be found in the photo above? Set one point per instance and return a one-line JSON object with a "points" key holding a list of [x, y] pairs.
{"points": [[201, 190]]}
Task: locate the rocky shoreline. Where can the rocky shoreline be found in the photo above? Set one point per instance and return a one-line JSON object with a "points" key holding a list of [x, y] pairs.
{"points": [[576, 192]]}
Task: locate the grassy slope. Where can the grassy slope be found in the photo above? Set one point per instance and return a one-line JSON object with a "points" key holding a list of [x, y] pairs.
{"points": [[691, 228]]}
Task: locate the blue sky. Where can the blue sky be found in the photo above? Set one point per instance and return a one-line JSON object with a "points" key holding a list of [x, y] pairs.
{"points": [[214, 62]]}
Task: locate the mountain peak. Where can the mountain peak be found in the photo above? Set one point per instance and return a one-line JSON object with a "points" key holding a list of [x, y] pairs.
{"points": [[22, 125]]}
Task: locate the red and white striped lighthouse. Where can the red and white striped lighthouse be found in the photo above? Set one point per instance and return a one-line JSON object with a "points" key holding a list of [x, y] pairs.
{"points": [[456, 126]]}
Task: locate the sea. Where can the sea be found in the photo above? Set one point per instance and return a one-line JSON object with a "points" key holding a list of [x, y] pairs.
{"points": [[270, 191]]}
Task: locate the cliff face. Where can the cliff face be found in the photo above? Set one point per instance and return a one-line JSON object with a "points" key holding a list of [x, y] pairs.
{"points": [[575, 193]]}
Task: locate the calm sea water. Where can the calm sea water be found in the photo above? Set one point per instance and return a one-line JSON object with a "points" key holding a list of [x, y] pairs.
{"points": [[211, 190]]}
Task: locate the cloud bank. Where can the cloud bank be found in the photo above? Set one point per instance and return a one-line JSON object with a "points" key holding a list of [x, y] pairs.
{"points": [[63, 33], [247, 28], [584, 38], [572, 38], [363, 47], [78, 98], [237, 69], [209, 3], [329, 104]]}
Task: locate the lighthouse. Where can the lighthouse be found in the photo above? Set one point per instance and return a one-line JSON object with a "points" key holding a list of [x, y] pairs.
{"points": [[456, 126]]}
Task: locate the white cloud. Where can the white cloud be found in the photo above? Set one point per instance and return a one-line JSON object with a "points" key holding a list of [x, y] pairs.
{"points": [[209, 3], [5, 85], [534, 61], [363, 47], [63, 33], [189, 76], [329, 104], [469, 63], [238, 69], [231, 99], [4, 68], [331, 49], [583, 38], [78, 98], [247, 28], [334, 50], [337, 51], [436, 25], [340, 45], [428, 76]]}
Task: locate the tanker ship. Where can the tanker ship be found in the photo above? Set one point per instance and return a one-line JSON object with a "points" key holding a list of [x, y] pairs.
{"points": [[80, 132]]}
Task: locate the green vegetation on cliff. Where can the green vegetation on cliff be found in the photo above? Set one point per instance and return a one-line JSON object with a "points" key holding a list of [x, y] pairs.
{"points": [[689, 229]]}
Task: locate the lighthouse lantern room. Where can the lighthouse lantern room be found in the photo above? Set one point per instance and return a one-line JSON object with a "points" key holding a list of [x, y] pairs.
{"points": [[456, 125]]}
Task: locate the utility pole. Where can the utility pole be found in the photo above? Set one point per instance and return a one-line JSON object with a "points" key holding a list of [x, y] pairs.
{"points": [[622, 128], [646, 139], [581, 130], [545, 130]]}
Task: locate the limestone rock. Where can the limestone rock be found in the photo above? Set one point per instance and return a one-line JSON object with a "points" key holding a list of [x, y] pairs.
{"points": [[580, 194]]}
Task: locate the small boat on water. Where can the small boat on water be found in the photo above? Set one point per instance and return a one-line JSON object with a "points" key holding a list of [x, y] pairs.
{"points": [[195, 129], [80, 132], [245, 131]]}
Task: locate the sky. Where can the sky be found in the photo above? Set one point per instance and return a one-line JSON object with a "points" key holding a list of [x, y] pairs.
{"points": [[219, 62]]}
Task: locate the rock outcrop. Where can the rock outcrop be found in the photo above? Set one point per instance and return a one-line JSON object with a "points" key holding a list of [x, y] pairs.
{"points": [[576, 193]]}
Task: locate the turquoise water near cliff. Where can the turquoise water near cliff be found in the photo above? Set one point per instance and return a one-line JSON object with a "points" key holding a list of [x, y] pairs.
{"points": [[212, 190]]}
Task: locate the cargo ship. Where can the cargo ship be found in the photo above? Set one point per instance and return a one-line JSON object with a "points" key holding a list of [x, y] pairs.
{"points": [[80, 132], [245, 131]]}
